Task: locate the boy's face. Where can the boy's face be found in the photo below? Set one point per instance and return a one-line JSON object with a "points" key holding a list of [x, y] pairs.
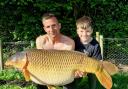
{"points": [[84, 34]]}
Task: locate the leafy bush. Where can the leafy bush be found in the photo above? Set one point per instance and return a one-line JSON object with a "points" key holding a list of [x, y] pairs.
{"points": [[10, 75], [13, 79], [21, 20]]}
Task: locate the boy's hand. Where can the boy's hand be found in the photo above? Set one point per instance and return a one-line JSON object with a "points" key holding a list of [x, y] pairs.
{"points": [[79, 74]]}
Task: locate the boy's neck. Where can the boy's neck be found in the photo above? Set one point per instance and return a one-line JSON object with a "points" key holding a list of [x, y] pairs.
{"points": [[87, 42]]}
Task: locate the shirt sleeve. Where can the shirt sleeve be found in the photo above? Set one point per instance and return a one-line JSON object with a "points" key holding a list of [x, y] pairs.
{"points": [[97, 52]]}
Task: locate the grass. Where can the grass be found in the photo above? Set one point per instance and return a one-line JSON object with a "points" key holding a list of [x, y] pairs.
{"points": [[17, 87], [11, 79], [120, 81]]}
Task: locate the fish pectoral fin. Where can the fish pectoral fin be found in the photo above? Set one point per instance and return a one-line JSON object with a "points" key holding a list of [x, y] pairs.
{"points": [[110, 67], [24, 69], [51, 87], [26, 74], [104, 78]]}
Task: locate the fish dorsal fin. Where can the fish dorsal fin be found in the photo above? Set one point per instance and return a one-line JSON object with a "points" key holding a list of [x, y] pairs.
{"points": [[24, 70]]}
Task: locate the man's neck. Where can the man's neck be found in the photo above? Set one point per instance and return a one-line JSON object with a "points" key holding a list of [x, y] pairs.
{"points": [[55, 39]]}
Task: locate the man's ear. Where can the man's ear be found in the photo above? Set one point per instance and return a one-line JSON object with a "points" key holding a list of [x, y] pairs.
{"points": [[60, 25]]}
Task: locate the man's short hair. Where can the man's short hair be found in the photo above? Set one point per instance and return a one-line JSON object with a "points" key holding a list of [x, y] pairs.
{"points": [[47, 16]]}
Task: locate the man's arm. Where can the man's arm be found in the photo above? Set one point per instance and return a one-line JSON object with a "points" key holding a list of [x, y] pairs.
{"points": [[70, 44], [39, 42]]}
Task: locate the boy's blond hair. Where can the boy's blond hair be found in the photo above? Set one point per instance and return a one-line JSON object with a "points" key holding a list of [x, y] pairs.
{"points": [[84, 22]]}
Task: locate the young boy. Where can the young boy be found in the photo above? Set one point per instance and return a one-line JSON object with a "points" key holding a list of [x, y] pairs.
{"points": [[87, 44]]}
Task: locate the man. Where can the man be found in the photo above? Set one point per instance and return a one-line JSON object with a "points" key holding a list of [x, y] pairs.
{"points": [[53, 39]]}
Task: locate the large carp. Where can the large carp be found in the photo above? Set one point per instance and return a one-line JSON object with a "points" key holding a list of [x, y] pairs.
{"points": [[57, 67]]}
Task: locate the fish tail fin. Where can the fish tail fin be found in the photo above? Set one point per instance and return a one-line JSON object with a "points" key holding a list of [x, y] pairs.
{"points": [[110, 67], [104, 78]]}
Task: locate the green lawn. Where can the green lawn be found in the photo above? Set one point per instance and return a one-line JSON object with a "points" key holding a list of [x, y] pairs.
{"points": [[11, 79]]}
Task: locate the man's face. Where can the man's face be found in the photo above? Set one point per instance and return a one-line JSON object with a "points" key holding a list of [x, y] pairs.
{"points": [[52, 27], [84, 34]]}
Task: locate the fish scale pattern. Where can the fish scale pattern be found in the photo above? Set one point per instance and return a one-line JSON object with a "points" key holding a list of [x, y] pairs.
{"points": [[55, 67], [51, 65]]}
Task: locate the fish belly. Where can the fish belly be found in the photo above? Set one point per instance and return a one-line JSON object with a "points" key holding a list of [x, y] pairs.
{"points": [[51, 76]]}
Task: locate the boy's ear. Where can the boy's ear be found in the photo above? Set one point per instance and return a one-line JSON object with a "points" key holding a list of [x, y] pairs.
{"points": [[92, 30], [44, 29]]}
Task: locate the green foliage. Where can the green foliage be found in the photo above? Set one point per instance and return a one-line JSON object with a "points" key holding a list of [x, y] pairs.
{"points": [[13, 79], [120, 81], [16, 87], [10, 75], [21, 19]]}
